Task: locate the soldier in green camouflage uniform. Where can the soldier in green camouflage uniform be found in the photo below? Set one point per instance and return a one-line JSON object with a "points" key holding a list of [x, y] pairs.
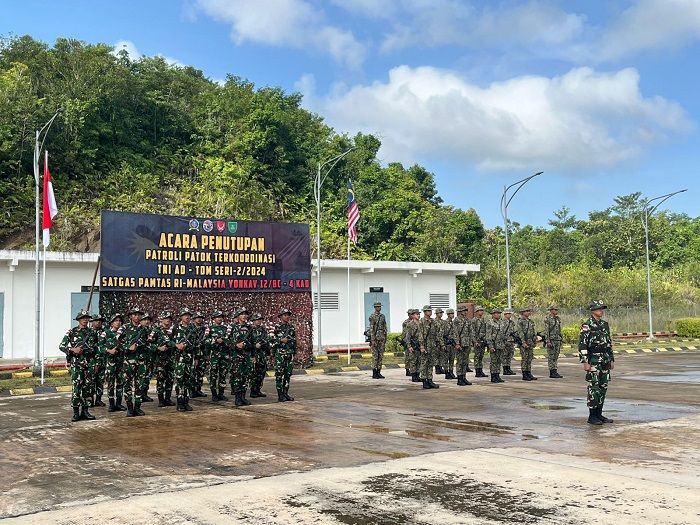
{"points": [[407, 358], [185, 347], [462, 328], [439, 356], [496, 343], [285, 342], [216, 341], [377, 335], [201, 356], [98, 365], [110, 345], [478, 337], [241, 359], [80, 344], [512, 336], [164, 364], [430, 334], [260, 342], [134, 342], [552, 340], [449, 332], [528, 340], [413, 343], [596, 354], [148, 356]]}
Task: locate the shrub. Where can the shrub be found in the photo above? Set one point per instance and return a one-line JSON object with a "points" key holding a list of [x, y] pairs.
{"points": [[392, 342], [688, 327], [569, 333]]}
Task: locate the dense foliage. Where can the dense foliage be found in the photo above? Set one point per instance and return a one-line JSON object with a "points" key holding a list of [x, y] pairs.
{"points": [[142, 135]]}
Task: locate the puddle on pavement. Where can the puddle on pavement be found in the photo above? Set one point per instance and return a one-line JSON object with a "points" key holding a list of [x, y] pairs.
{"points": [[546, 406], [383, 453], [681, 377], [466, 425]]}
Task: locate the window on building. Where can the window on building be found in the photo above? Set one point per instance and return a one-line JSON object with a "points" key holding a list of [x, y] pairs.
{"points": [[329, 301], [440, 300]]}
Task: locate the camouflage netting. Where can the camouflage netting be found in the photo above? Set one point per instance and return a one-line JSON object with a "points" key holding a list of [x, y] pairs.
{"points": [[268, 304]]}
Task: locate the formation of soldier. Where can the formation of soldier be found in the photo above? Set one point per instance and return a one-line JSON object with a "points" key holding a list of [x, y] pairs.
{"points": [[445, 345], [127, 353]]}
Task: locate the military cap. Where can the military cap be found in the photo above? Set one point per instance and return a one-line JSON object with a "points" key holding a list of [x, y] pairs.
{"points": [[427, 307], [508, 311], [496, 310], [377, 303], [240, 310], [134, 310], [410, 311], [165, 315], [146, 315], [115, 317], [217, 313], [439, 311], [98, 317], [462, 308], [525, 309], [82, 314], [553, 307], [256, 316], [449, 311], [185, 311], [597, 305], [198, 314], [284, 311], [478, 309]]}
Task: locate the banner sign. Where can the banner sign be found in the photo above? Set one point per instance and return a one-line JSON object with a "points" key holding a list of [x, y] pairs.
{"points": [[143, 252]]}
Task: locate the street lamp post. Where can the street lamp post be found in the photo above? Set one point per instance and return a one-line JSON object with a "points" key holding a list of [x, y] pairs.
{"points": [[648, 210], [38, 146], [318, 184], [505, 201]]}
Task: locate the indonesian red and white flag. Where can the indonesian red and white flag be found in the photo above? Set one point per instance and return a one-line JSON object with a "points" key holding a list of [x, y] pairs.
{"points": [[50, 209]]}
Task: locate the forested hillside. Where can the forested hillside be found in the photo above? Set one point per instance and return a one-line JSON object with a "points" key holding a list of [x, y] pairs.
{"points": [[146, 136]]}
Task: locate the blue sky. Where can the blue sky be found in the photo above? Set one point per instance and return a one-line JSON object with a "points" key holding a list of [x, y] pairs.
{"points": [[600, 95]]}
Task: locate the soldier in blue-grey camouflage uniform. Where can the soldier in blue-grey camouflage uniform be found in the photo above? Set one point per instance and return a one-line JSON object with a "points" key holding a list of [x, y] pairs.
{"points": [[241, 358], [97, 382], [552, 340], [285, 343], [80, 345], [164, 364], [596, 353], [377, 339], [478, 335], [528, 340], [496, 343], [260, 343]]}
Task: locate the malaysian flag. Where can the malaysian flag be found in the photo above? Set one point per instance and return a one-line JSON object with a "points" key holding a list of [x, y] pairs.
{"points": [[353, 214]]}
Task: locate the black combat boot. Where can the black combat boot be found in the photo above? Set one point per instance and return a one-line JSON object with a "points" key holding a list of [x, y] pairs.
{"points": [[238, 400], [214, 395], [532, 378], [180, 405], [144, 396], [130, 408], [161, 401], [374, 373], [480, 373], [200, 393], [426, 385], [259, 392], [280, 396], [408, 373], [498, 379], [194, 394], [287, 396], [507, 371], [85, 414], [415, 378], [118, 404], [137, 409], [466, 381], [439, 370], [168, 401], [593, 418], [379, 374], [99, 402], [112, 406], [469, 369], [526, 377], [222, 397], [245, 401], [432, 385], [76, 414], [554, 374], [493, 378], [187, 405], [600, 415]]}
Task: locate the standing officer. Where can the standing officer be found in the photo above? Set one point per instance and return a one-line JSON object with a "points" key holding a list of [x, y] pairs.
{"points": [[148, 357], [450, 327], [80, 345], [260, 342], [163, 361], [496, 342], [463, 340], [242, 362], [552, 339], [439, 356], [478, 333], [285, 347], [596, 354], [413, 342], [377, 334], [98, 365], [201, 361], [185, 346], [511, 332], [430, 332], [133, 368], [219, 356], [408, 356], [528, 340], [110, 345]]}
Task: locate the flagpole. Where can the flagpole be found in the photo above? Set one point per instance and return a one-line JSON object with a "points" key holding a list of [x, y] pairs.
{"points": [[43, 318], [349, 309]]}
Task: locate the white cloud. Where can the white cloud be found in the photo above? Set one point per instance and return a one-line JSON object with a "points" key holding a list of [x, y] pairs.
{"points": [[580, 120], [649, 25], [135, 54], [294, 23]]}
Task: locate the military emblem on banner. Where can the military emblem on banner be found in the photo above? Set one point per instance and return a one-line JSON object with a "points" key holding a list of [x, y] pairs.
{"points": [[232, 226], [207, 226], [194, 225], [221, 226]]}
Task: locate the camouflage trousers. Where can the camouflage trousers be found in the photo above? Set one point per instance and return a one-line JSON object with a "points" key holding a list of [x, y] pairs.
{"points": [[149, 361], [97, 383], [508, 354], [553, 354], [526, 356], [496, 355], [479, 351], [378, 353], [79, 375], [134, 373], [462, 360], [411, 357], [219, 366], [241, 367], [284, 364], [202, 368], [427, 362], [165, 373], [184, 374], [114, 377], [598, 379], [257, 375], [448, 359]]}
